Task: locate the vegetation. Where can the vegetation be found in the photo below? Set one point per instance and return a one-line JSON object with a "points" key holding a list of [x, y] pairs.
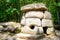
{"points": [[10, 9]]}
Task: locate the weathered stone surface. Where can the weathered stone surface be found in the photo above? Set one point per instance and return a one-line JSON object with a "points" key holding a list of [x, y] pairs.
{"points": [[50, 30], [48, 38], [18, 37], [23, 21], [1, 28], [23, 39], [33, 21], [38, 6], [35, 31], [10, 26], [57, 32], [47, 15], [57, 38], [34, 14], [28, 36], [47, 23]]}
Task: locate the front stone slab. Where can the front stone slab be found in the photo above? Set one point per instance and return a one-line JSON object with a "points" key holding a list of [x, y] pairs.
{"points": [[35, 31]]}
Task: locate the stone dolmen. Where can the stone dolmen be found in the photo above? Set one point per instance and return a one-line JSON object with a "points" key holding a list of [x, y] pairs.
{"points": [[36, 22]]}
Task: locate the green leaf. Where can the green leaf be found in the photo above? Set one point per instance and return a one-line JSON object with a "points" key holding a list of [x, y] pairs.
{"points": [[58, 3]]}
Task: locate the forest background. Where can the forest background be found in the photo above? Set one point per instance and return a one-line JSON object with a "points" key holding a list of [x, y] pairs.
{"points": [[10, 9]]}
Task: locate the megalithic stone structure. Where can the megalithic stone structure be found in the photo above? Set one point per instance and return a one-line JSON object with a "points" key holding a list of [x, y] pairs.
{"points": [[36, 22]]}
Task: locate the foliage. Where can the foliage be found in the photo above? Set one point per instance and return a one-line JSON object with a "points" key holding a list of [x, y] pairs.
{"points": [[10, 9]]}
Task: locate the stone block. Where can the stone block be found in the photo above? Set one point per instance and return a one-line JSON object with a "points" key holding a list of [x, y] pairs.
{"points": [[47, 15], [34, 14], [33, 21], [47, 23]]}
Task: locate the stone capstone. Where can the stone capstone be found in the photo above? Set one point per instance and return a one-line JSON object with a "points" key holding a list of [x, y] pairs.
{"points": [[38, 6]]}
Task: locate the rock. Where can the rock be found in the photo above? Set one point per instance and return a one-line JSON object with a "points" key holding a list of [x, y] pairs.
{"points": [[40, 31], [7, 23], [47, 23], [38, 6], [50, 30], [23, 21], [46, 38], [33, 31], [47, 15], [1, 28], [3, 36], [33, 21], [57, 38], [19, 39], [57, 32], [27, 36], [34, 14], [10, 26]]}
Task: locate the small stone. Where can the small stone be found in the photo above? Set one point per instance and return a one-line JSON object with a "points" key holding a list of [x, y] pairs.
{"points": [[34, 14], [50, 30], [47, 15], [57, 32], [33, 21], [47, 23], [23, 21], [40, 31]]}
